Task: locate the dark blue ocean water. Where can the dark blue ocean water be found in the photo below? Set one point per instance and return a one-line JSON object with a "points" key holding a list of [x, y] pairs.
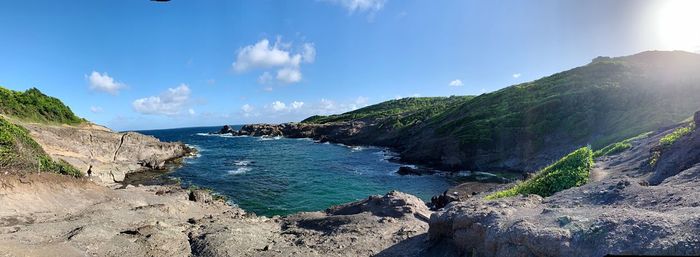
{"points": [[278, 176]]}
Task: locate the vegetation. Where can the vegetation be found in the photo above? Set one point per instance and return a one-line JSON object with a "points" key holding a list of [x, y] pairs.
{"points": [[570, 171], [618, 147], [676, 134], [19, 152], [598, 104], [397, 113], [32, 105], [669, 140]]}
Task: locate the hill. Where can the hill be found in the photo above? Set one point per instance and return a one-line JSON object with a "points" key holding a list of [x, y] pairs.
{"points": [[398, 113], [527, 126], [34, 106], [18, 151]]}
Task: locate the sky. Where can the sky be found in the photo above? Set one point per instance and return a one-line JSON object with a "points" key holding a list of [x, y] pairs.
{"points": [[139, 64]]}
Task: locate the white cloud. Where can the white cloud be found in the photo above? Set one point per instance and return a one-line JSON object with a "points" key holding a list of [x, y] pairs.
{"points": [[278, 106], [191, 111], [169, 103], [289, 75], [360, 5], [103, 82], [263, 55], [361, 100], [297, 105], [247, 108], [456, 83], [517, 75], [308, 53], [95, 109], [280, 111], [265, 78]]}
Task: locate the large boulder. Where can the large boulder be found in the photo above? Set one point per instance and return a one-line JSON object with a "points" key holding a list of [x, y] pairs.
{"points": [[394, 204]]}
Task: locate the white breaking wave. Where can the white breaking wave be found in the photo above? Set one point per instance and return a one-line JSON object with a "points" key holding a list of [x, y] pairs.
{"points": [[240, 170], [242, 163], [266, 138], [219, 135]]}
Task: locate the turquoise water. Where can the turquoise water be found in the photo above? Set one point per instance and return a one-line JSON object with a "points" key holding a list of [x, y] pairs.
{"points": [[279, 176]]}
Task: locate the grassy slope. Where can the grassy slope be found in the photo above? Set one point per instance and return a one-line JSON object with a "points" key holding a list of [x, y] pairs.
{"points": [[598, 104], [570, 171], [18, 151], [34, 106], [398, 113]]}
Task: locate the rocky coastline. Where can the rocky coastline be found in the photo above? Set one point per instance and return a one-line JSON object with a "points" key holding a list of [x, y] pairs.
{"points": [[628, 207]]}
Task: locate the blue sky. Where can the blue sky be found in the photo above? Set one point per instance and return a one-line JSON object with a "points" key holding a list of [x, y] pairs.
{"points": [[137, 64]]}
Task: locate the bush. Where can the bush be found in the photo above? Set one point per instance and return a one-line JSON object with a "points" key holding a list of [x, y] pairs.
{"points": [[612, 149], [570, 171], [677, 134], [619, 146]]}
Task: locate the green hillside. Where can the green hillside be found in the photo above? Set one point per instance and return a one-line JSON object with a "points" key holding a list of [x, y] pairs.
{"points": [[530, 125], [397, 113], [33, 105]]}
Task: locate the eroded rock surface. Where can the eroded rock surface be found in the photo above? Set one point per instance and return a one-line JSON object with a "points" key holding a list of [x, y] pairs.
{"points": [[108, 155], [163, 221]]}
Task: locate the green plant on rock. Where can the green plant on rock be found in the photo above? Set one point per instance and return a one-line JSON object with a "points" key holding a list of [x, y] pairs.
{"points": [[570, 171], [619, 147], [676, 134]]}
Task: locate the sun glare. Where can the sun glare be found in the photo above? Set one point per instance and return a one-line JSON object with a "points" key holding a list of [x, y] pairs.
{"points": [[678, 24]]}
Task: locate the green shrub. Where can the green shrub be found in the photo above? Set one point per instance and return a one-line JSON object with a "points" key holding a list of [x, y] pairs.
{"points": [[619, 146], [612, 149], [570, 171], [677, 134], [60, 167]]}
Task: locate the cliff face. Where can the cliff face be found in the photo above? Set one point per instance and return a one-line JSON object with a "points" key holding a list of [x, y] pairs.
{"points": [[109, 156]]}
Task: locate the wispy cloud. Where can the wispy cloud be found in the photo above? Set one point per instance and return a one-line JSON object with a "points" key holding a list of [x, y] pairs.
{"points": [[95, 109], [353, 6], [456, 83], [170, 103], [278, 56], [517, 75], [104, 83], [289, 111]]}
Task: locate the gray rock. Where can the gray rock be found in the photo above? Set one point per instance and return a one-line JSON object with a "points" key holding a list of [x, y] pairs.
{"points": [[108, 155]]}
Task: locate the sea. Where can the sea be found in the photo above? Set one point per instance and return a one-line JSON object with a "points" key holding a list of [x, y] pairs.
{"points": [[279, 176]]}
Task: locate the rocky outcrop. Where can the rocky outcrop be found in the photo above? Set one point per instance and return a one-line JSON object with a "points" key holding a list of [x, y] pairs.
{"points": [[108, 155], [620, 214], [60, 216]]}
